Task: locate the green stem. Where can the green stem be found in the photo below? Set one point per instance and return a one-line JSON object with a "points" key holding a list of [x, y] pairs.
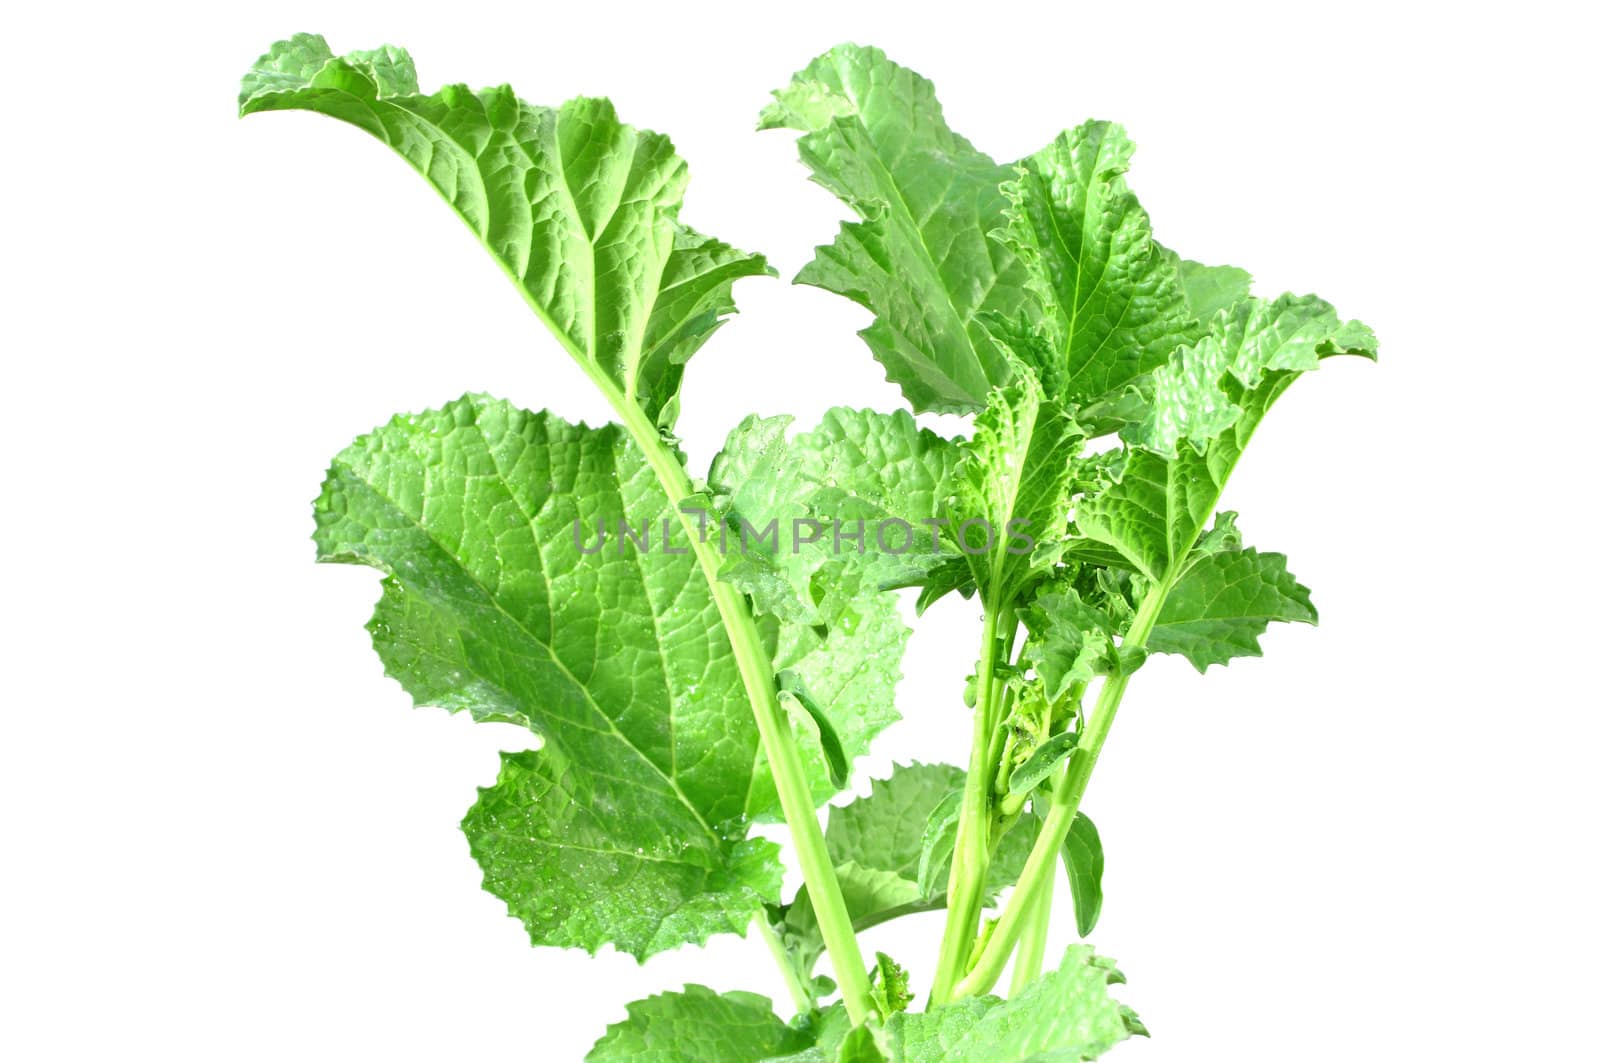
{"points": [[969, 861], [1031, 947], [777, 736], [799, 987], [1039, 871]]}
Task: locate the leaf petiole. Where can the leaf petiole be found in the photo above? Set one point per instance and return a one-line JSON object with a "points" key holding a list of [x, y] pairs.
{"points": [[777, 734]]}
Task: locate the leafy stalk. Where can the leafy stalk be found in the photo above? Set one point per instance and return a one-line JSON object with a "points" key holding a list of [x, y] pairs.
{"points": [[1038, 872], [969, 867], [777, 735]]}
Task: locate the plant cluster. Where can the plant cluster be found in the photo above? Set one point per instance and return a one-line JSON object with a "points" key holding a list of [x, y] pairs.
{"points": [[686, 694]]}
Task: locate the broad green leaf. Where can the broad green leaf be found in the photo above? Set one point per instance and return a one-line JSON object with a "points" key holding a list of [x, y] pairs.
{"points": [[1013, 488], [921, 258], [701, 1025], [1085, 862], [857, 480], [1113, 305], [628, 825], [849, 665], [1207, 290], [1175, 472], [580, 210], [1223, 603], [1065, 1016]]}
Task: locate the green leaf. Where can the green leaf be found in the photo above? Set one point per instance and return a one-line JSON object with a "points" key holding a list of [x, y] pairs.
{"points": [[819, 610], [1208, 289], [891, 986], [876, 479], [876, 844], [938, 843], [921, 258], [1113, 304], [1191, 397], [1066, 1015], [1042, 763], [1085, 862], [817, 607], [849, 664], [1181, 458], [1013, 488], [1069, 641], [793, 687], [702, 1025], [839, 1042], [864, 1044], [885, 829], [580, 210], [880, 847], [1223, 603], [628, 825]]}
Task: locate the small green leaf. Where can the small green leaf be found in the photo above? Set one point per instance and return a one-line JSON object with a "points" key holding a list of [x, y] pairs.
{"points": [[1085, 862], [864, 1044], [702, 1025], [939, 841], [793, 687], [1069, 641], [1013, 488], [876, 479], [891, 986], [1224, 602], [1042, 764]]}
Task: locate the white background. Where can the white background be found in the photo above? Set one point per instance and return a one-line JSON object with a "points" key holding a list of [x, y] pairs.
{"points": [[227, 837]]}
